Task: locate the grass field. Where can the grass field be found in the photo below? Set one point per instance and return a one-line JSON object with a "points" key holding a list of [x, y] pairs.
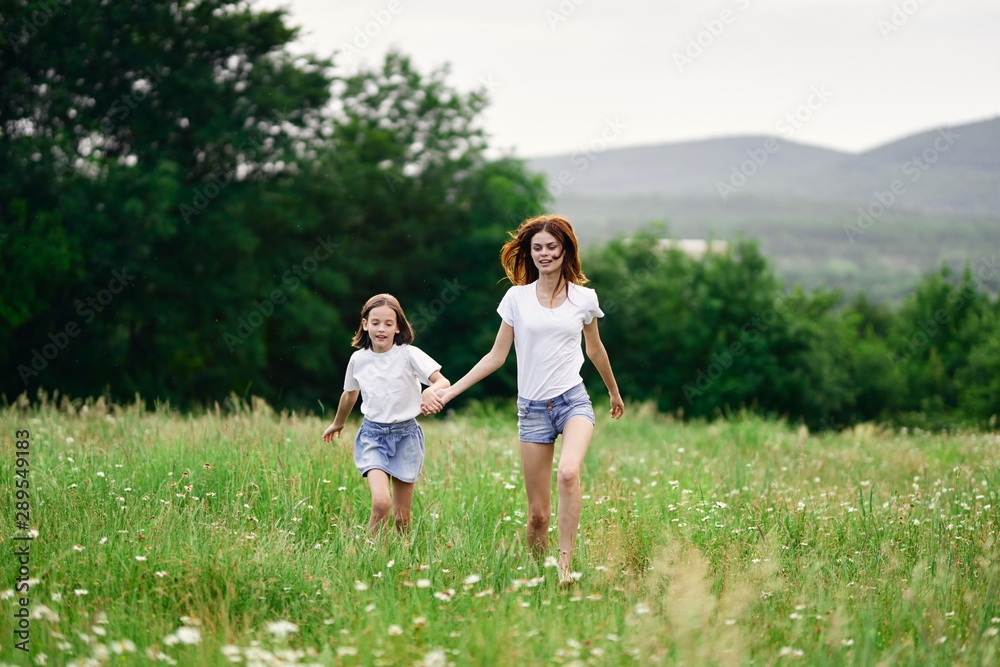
{"points": [[238, 537]]}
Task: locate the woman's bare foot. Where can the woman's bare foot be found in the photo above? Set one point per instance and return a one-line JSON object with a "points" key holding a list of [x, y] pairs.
{"points": [[566, 575]]}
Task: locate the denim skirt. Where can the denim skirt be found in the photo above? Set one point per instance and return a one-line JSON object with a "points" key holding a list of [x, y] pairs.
{"points": [[396, 449]]}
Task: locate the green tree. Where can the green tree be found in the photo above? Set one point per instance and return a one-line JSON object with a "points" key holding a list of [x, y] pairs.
{"points": [[188, 200], [932, 336], [705, 336], [427, 212], [978, 382], [141, 148]]}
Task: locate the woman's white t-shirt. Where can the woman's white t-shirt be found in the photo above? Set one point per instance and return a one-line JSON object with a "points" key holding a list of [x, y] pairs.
{"points": [[390, 382], [547, 340]]}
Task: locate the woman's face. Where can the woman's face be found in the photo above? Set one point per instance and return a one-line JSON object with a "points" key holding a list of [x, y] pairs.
{"points": [[547, 254]]}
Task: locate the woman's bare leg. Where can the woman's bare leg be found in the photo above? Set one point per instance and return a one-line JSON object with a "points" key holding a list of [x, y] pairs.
{"points": [[576, 439], [536, 466]]}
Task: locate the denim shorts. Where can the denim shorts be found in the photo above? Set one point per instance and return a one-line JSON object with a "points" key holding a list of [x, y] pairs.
{"points": [[541, 421], [396, 449]]}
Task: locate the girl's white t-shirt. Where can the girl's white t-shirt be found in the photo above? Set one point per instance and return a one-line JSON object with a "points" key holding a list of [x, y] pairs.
{"points": [[390, 381], [547, 340]]}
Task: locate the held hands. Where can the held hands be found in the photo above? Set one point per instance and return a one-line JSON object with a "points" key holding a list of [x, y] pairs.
{"points": [[617, 406], [430, 402], [332, 431], [431, 399]]}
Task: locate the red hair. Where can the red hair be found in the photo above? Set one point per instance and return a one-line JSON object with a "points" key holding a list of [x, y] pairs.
{"points": [[515, 256], [363, 341]]}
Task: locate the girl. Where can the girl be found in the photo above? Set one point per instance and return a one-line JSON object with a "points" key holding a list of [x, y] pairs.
{"points": [[543, 314], [388, 372]]}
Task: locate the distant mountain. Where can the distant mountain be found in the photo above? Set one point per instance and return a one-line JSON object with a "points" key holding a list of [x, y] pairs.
{"points": [[944, 170], [801, 202]]}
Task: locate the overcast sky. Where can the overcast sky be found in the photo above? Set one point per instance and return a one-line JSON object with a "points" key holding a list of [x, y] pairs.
{"points": [[564, 72]]}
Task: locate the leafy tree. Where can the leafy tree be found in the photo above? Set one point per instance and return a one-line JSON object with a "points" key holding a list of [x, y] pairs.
{"points": [[140, 148], [978, 382], [185, 197], [186, 211], [932, 335], [427, 212], [705, 336]]}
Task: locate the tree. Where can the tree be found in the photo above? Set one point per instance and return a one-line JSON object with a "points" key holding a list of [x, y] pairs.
{"points": [[175, 187], [978, 381], [934, 331], [706, 336], [133, 158], [427, 212]]}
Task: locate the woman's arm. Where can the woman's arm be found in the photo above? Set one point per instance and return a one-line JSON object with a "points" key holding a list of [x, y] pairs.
{"points": [[493, 360], [599, 357], [347, 401], [430, 402]]}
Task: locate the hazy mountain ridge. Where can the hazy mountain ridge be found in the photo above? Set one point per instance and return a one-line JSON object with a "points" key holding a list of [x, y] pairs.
{"points": [[802, 202], [948, 169]]}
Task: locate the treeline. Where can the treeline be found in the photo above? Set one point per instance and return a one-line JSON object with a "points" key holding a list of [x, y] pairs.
{"points": [[188, 211], [709, 336]]}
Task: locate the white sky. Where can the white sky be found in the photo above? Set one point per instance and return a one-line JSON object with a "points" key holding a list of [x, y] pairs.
{"points": [[558, 83]]}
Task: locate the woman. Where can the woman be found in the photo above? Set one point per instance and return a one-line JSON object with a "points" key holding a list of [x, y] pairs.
{"points": [[544, 313]]}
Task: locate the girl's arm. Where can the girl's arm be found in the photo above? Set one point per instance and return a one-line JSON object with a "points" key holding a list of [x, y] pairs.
{"points": [[599, 357], [347, 401], [493, 360], [430, 402]]}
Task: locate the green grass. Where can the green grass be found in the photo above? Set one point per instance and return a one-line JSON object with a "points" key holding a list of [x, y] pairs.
{"points": [[705, 543]]}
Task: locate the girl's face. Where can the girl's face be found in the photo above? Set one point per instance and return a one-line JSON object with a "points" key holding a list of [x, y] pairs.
{"points": [[382, 328], [547, 254]]}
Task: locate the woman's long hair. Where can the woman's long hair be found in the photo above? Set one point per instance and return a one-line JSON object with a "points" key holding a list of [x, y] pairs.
{"points": [[515, 256], [363, 341]]}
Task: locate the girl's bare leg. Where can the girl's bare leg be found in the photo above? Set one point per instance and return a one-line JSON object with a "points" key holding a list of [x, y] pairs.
{"points": [[536, 465], [378, 481], [402, 501], [576, 439]]}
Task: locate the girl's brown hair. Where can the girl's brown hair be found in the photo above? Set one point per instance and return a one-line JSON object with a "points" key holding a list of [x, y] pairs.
{"points": [[363, 341], [515, 256]]}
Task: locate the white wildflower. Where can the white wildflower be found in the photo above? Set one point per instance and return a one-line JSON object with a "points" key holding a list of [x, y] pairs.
{"points": [[187, 635], [436, 658], [281, 628]]}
